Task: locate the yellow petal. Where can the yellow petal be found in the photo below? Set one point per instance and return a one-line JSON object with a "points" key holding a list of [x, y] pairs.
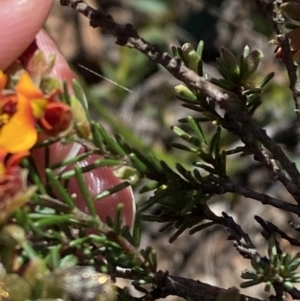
{"points": [[26, 87], [38, 106], [3, 153], [3, 80], [19, 134], [2, 170]]}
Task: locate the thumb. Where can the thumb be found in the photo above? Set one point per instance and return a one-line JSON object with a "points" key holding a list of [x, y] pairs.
{"points": [[19, 22]]}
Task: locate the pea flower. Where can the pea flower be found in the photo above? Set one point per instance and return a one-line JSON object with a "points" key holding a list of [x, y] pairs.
{"points": [[97, 180], [14, 192], [22, 109]]}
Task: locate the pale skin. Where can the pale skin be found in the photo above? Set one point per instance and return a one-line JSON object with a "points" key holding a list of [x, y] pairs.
{"points": [[21, 22]]}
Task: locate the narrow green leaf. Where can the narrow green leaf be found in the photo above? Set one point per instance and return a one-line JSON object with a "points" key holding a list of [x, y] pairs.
{"points": [[196, 127], [177, 234], [214, 146], [74, 160], [53, 220], [59, 188], [118, 218], [97, 138], [250, 64], [111, 191], [155, 163], [181, 133], [246, 51], [111, 143], [200, 227], [66, 93], [191, 56], [149, 187], [174, 51], [55, 256], [153, 260], [138, 164], [79, 94], [185, 93], [85, 192], [29, 164], [185, 148], [266, 80], [185, 173], [137, 230], [200, 48], [249, 283]]}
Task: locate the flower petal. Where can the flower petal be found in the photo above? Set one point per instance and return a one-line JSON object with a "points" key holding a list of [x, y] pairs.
{"points": [[38, 106], [57, 118], [21, 128], [3, 80], [26, 87], [16, 159], [3, 153]]}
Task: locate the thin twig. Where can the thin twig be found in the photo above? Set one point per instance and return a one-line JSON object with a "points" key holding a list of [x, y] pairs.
{"points": [[274, 229], [105, 229], [170, 285], [273, 10], [189, 288], [128, 36], [232, 125], [241, 240], [226, 185]]}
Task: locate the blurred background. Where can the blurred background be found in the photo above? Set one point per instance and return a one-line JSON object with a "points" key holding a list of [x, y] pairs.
{"points": [[141, 106]]}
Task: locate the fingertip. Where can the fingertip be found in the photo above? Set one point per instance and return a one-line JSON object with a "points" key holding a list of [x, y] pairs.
{"points": [[20, 21]]}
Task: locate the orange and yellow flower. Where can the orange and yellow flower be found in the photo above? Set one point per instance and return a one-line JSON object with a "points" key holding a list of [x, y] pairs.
{"points": [[11, 180], [24, 110], [14, 192], [21, 110]]}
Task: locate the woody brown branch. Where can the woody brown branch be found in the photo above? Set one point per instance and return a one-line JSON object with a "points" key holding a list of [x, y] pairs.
{"points": [[273, 10], [128, 36]]}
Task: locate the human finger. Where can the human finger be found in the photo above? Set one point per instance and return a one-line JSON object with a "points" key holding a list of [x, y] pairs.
{"points": [[20, 21]]}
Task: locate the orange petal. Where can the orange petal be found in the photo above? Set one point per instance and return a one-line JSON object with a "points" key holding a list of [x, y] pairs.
{"points": [[19, 134], [26, 87], [16, 159], [3, 153], [3, 80]]}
